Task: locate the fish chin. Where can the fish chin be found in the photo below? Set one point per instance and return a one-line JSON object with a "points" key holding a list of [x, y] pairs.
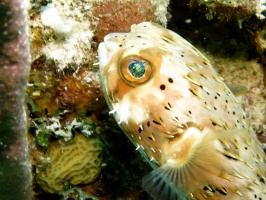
{"points": [[103, 55]]}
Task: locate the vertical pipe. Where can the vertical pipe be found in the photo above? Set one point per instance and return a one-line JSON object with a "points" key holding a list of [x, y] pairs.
{"points": [[15, 174]]}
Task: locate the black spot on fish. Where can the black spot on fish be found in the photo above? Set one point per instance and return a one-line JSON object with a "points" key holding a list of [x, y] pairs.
{"points": [[170, 80], [120, 45], [215, 97], [148, 123], [166, 108], [139, 130], [234, 112], [226, 101], [162, 87], [214, 124], [139, 36], [189, 112], [215, 108]]}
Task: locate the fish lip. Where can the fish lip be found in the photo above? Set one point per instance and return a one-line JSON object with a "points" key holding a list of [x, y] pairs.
{"points": [[103, 54]]}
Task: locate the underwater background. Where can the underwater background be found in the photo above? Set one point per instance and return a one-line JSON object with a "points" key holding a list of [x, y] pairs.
{"points": [[73, 148]]}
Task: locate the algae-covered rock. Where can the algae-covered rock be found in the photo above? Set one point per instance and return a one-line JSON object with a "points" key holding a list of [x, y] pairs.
{"points": [[76, 162]]}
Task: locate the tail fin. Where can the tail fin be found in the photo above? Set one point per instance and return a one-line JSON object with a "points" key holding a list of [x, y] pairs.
{"points": [[204, 163]]}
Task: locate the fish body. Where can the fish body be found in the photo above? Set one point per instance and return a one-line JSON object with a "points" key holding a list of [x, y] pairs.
{"points": [[176, 109]]}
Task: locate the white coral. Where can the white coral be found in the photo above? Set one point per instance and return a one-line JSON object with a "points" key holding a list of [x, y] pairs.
{"points": [[261, 7], [73, 44]]}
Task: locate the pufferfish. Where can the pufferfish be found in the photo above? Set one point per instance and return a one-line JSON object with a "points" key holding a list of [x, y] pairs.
{"points": [[181, 116]]}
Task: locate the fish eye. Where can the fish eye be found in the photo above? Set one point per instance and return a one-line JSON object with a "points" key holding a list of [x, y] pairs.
{"points": [[135, 70]]}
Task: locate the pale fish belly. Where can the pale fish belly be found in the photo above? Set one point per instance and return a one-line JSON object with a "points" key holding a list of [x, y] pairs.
{"points": [[176, 109]]}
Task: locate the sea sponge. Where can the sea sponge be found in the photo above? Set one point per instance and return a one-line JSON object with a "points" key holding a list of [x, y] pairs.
{"points": [[75, 162]]}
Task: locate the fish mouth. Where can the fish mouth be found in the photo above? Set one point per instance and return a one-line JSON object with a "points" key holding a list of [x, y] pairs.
{"points": [[103, 54]]}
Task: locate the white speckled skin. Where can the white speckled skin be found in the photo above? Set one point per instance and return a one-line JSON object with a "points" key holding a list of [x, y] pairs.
{"points": [[183, 118]]}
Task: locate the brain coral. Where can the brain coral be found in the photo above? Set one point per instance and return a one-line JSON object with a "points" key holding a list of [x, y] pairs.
{"points": [[76, 162]]}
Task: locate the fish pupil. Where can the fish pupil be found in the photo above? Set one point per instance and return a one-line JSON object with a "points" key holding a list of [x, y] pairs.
{"points": [[137, 69]]}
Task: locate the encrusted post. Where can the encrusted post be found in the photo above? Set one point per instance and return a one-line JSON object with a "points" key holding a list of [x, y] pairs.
{"points": [[15, 174]]}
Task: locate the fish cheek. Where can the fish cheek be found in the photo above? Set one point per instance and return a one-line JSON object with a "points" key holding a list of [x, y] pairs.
{"points": [[121, 88]]}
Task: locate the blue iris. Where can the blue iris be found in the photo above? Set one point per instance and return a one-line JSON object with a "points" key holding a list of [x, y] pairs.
{"points": [[137, 69]]}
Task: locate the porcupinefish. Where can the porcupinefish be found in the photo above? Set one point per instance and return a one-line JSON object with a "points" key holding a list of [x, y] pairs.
{"points": [[176, 109]]}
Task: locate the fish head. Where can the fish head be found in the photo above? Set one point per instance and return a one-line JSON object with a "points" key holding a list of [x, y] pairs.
{"points": [[137, 71], [142, 74]]}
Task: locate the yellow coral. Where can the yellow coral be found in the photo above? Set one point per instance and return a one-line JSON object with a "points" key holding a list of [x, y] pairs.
{"points": [[76, 162]]}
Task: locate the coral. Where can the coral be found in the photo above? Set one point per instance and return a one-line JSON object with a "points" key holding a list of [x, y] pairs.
{"points": [[63, 93], [81, 195], [63, 31], [76, 162], [80, 91], [260, 39]]}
